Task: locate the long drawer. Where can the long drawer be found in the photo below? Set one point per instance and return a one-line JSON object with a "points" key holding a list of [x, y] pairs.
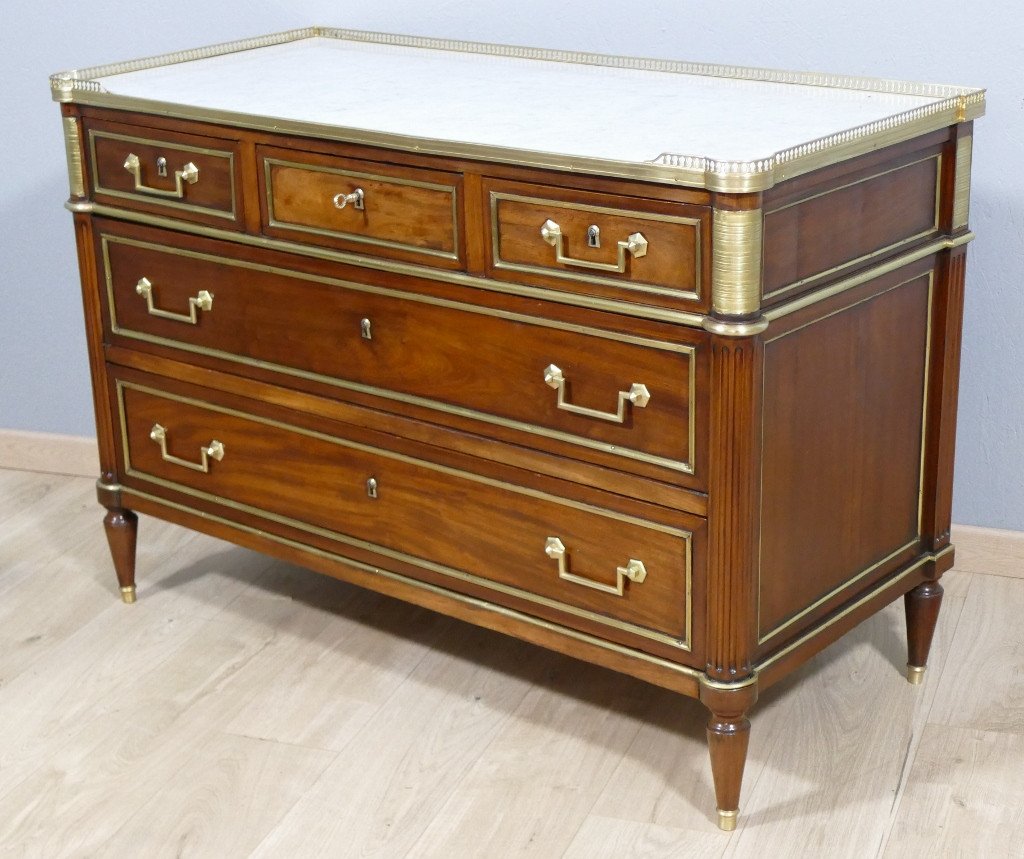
{"points": [[602, 392], [581, 560]]}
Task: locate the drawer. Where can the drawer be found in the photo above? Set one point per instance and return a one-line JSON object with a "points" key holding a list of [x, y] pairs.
{"points": [[636, 250], [558, 554], [603, 395], [363, 206], [177, 175]]}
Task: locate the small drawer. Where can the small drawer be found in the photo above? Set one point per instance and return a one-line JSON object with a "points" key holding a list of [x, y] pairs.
{"points": [[167, 173], [554, 553], [636, 250], [602, 396], [362, 206]]}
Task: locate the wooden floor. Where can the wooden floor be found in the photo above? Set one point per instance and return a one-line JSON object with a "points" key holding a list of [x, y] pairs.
{"points": [[244, 707]]}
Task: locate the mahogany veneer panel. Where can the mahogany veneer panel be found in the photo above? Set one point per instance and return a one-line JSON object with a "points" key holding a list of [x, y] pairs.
{"points": [[842, 446], [857, 217]]}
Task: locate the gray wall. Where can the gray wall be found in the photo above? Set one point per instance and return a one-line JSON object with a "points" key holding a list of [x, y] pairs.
{"points": [[43, 380]]}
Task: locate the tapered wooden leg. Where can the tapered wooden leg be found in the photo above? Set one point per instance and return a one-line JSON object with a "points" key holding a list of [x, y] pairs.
{"points": [[121, 527], [728, 734], [922, 606]]}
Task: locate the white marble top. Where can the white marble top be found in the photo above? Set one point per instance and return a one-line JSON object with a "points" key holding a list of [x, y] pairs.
{"points": [[575, 110]]}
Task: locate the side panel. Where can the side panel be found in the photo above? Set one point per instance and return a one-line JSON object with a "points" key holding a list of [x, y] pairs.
{"points": [[843, 433]]}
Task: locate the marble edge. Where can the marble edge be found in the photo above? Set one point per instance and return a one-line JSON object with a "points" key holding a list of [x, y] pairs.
{"points": [[952, 104]]}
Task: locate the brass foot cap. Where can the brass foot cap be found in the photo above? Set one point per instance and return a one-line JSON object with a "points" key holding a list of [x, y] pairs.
{"points": [[727, 820], [915, 674], [128, 594]]}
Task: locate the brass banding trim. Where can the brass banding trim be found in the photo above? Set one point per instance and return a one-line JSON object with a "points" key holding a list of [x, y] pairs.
{"points": [[685, 535], [73, 150], [962, 182], [568, 632], [931, 557], [272, 221], [789, 621], [899, 262], [821, 275], [736, 241], [163, 201], [687, 467], [687, 295], [692, 320], [954, 105], [735, 329]]}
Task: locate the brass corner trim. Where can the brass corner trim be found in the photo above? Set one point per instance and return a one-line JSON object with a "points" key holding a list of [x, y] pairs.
{"points": [[725, 328], [736, 250], [73, 150], [728, 685], [108, 494], [81, 206], [962, 181]]}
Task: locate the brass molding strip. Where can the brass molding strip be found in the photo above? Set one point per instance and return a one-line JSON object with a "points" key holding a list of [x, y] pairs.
{"points": [[962, 182], [552, 271], [735, 329], [727, 685], [821, 275], [945, 243], [736, 240], [73, 149], [762, 638], [433, 566], [397, 577], [691, 320], [867, 597], [953, 105], [272, 221], [163, 201], [687, 466]]}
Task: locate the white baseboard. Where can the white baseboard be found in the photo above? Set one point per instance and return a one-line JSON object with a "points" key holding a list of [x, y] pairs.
{"points": [[49, 452]]}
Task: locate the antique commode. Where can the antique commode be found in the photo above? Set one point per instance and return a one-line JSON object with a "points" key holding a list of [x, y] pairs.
{"points": [[648, 362]]}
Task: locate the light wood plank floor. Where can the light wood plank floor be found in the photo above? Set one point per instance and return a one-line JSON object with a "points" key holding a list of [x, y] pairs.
{"points": [[244, 707]]}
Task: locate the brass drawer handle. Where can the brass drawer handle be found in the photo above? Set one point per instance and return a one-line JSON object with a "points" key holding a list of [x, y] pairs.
{"points": [[637, 395], [635, 245], [214, 450], [355, 198], [635, 570], [189, 173], [202, 300]]}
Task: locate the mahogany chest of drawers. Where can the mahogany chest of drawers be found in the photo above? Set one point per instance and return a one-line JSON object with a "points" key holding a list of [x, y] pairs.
{"points": [[689, 416]]}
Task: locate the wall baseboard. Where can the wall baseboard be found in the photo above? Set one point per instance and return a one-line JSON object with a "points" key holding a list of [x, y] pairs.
{"points": [[49, 452], [989, 550]]}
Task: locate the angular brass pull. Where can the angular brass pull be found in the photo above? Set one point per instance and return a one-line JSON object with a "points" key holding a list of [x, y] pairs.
{"points": [[355, 198], [189, 173], [637, 395], [635, 570], [214, 450], [635, 245], [203, 300]]}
